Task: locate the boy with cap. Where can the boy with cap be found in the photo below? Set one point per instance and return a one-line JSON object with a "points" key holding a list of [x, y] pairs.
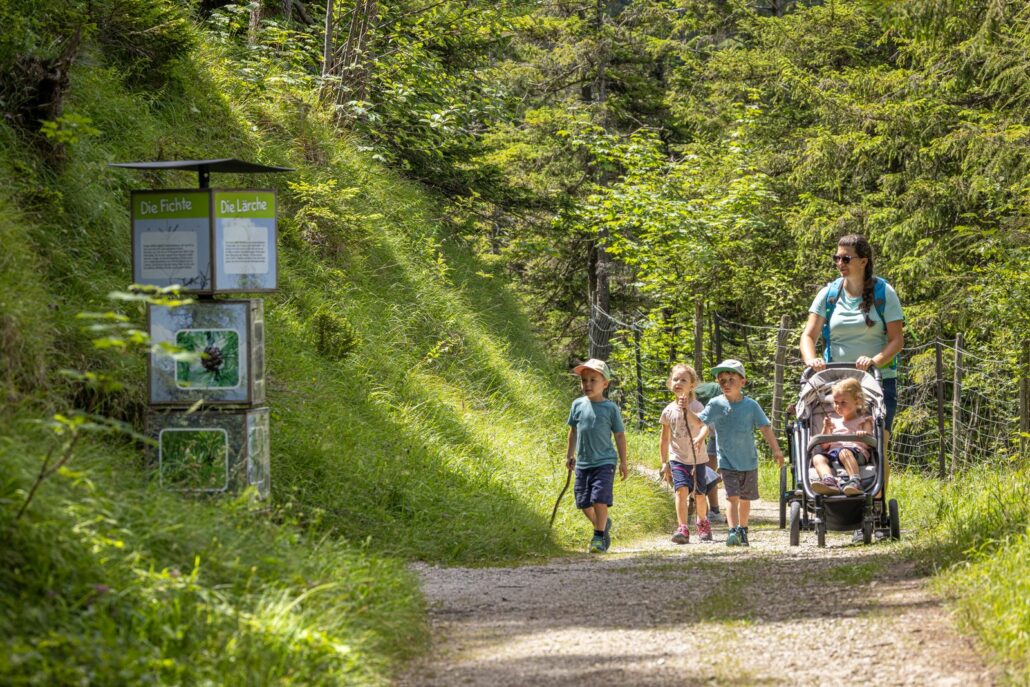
{"points": [[734, 417], [593, 420]]}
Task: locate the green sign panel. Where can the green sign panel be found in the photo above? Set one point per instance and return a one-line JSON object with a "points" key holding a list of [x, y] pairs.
{"points": [[171, 239], [245, 241]]}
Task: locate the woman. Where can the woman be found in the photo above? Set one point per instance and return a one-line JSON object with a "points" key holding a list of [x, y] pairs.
{"points": [[858, 334]]}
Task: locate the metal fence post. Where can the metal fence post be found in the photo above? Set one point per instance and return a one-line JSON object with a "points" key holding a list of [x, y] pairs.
{"points": [[956, 404], [640, 382], [781, 361], [940, 407]]}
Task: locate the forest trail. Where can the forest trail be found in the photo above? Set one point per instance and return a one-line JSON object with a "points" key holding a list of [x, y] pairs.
{"points": [[655, 613]]}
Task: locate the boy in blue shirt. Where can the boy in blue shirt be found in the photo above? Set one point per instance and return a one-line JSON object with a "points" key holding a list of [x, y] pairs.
{"points": [[734, 417], [593, 420]]}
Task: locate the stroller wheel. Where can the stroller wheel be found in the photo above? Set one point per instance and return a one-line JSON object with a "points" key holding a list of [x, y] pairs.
{"points": [[795, 523], [895, 523], [783, 496]]}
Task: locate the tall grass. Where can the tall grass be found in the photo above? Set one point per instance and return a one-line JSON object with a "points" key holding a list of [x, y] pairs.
{"points": [[109, 580]]}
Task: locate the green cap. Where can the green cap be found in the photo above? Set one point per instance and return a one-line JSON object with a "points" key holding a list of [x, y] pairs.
{"points": [[729, 365]]}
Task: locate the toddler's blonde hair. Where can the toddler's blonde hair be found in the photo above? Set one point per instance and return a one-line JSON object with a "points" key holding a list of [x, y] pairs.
{"points": [[853, 388], [682, 367]]}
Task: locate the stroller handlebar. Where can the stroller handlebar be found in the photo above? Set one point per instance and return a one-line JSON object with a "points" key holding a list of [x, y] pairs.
{"points": [[874, 371]]}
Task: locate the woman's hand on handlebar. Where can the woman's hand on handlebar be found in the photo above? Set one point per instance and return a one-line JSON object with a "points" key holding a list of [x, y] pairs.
{"points": [[817, 364], [864, 362]]}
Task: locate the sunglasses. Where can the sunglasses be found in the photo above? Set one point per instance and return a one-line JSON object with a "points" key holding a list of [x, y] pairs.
{"points": [[846, 259]]}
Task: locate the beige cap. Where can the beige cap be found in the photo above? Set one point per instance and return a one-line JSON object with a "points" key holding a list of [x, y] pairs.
{"points": [[595, 365]]}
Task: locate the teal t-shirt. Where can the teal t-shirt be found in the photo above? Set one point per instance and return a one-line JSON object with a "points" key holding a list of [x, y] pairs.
{"points": [[735, 425], [595, 423], [849, 335]]}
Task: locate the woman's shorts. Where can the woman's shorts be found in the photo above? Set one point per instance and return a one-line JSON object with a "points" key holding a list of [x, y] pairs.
{"points": [[594, 485], [741, 483], [890, 400], [683, 476]]}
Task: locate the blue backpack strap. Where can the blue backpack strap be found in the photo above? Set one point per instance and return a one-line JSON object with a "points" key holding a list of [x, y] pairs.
{"points": [[880, 303], [832, 295]]}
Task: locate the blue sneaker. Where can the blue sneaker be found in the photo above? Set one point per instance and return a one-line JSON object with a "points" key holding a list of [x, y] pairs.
{"points": [[733, 538], [607, 534], [597, 544]]}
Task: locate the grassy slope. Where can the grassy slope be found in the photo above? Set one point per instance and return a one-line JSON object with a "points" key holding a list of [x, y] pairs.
{"points": [[430, 426]]}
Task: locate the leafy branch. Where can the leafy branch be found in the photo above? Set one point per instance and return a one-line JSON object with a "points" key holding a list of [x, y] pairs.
{"points": [[112, 330]]}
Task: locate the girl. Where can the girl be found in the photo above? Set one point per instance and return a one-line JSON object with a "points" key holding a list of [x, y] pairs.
{"points": [[686, 467], [849, 404]]}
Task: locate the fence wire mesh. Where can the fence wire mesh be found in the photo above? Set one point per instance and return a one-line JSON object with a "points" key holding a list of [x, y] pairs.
{"points": [[946, 420]]}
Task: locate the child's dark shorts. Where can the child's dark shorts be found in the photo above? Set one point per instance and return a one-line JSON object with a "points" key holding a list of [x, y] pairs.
{"points": [[594, 485], [741, 483], [683, 476], [834, 455]]}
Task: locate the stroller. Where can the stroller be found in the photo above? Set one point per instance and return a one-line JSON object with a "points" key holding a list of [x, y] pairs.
{"points": [[810, 511]]}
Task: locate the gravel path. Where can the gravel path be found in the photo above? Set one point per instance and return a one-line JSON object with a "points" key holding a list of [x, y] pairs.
{"points": [[654, 613]]}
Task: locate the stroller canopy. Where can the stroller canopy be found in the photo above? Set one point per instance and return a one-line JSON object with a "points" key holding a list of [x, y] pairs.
{"points": [[816, 391]]}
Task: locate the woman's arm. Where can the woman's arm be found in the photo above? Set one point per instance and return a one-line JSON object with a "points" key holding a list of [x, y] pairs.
{"points": [[813, 330]]}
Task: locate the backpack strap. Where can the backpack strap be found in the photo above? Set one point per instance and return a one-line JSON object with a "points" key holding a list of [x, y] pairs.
{"points": [[880, 303], [833, 290]]}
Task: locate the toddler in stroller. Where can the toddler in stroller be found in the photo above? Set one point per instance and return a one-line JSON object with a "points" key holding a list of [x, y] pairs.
{"points": [[849, 406], [836, 480]]}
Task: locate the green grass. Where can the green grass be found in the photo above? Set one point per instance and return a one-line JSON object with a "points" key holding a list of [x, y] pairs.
{"points": [[974, 532], [108, 580]]}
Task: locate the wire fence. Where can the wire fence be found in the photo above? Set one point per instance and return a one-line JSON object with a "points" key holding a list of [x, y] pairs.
{"points": [[957, 406]]}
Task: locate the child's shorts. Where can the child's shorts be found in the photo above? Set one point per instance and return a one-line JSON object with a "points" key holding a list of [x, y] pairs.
{"points": [[741, 483], [683, 476], [834, 455], [594, 485]]}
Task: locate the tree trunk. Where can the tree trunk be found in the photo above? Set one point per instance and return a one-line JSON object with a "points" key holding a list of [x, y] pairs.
{"points": [[255, 22], [328, 64]]}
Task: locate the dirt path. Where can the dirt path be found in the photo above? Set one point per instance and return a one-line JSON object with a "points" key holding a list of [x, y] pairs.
{"points": [[654, 613]]}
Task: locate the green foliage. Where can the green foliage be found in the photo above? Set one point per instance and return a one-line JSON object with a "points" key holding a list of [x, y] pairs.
{"points": [[335, 337], [142, 37]]}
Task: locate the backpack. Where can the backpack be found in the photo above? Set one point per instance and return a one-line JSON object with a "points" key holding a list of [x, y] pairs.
{"points": [[706, 392], [833, 290]]}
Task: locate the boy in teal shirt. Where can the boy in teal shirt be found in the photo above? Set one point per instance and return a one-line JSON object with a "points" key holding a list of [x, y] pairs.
{"points": [[593, 420], [735, 417]]}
